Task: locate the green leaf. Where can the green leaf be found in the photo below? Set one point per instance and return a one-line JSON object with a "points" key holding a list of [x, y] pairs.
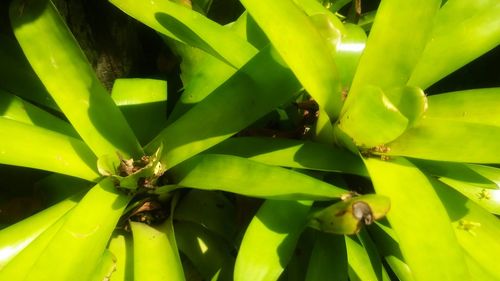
{"points": [[363, 259], [348, 53], [476, 229], [262, 85], [455, 171], [105, 268], [372, 119], [491, 173], [209, 253], [208, 73], [15, 238], [328, 259], [189, 27], [401, 29], [19, 267], [250, 178], [58, 187], [154, 257], [12, 107], [121, 247], [420, 221], [348, 216], [293, 154], [19, 78], [212, 210], [410, 101], [78, 245], [475, 106], [489, 199], [443, 140], [143, 102], [474, 25], [69, 78], [270, 239], [388, 245], [51, 151], [302, 47]]}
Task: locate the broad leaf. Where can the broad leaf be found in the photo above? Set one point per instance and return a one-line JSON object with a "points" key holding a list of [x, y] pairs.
{"points": [[69, 78], [270, 239], [250, 178], [420, 221]]}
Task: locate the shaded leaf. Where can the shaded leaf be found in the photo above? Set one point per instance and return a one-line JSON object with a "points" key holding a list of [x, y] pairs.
{"points": [[270, 239], [420, 221]]}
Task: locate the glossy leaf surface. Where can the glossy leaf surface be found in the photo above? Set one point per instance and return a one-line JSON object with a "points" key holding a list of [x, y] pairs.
{"points": [[12, 107], [143, 102], [52, 151], [401, 29], [476, 229], [475, 24], [69, 78], [270, 239], [83, 237], [262, 84], [443, 140], [292, 153], [189, 27], [475, 106], [15, 238], [372, 119], [154, 258], [250, 178], [302, 47], [418, 234]]}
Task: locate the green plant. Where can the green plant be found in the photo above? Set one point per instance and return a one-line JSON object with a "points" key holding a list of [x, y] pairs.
{"points": [[283, 68]]}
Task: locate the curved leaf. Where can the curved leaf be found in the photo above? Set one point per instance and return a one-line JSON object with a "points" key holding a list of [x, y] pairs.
{"points": [[209, 253], [349, 215], [83, 237], [270, 239], [121, 247], [189, 27], [292, 154], [19, 78], [388, 245], [420, 221], [302, 47], [143, 102], [363, 259], [328, 259], [449, 140], [19, 267], [105, 268], [401, 29], [474, 25], [12, 107], [15, 238], [476, 229], [372, 119], [214, 211], [246, 177], [51, 151], [474, 106], [489, 199], [64, 70], [262, 85], [154, 257]]}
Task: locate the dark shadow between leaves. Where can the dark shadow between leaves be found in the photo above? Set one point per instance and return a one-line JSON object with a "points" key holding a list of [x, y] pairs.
{"points": [[276, 222], [184, 33]]}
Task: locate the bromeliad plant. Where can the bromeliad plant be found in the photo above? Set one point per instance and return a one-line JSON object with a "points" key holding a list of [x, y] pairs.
{"points": [[309, 99]]}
